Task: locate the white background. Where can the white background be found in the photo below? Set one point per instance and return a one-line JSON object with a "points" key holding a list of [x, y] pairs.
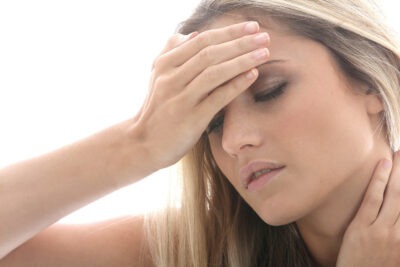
{"points": [[71, 68]]}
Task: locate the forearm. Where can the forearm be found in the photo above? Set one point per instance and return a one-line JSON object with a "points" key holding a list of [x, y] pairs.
{"points": [[37, 192]]}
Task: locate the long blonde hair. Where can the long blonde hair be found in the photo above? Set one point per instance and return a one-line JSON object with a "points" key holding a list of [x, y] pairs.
{"points": [[210, 224]]}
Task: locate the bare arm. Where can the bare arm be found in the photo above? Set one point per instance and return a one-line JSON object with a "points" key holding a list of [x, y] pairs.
{"points": [[193, 78], [37, 192], [116, 242]]}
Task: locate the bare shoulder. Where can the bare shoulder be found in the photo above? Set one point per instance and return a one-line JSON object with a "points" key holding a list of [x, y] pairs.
{"points": [[112, 242]]}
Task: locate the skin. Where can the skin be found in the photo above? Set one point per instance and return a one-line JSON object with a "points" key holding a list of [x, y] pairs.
{"points": [[327, 136]]}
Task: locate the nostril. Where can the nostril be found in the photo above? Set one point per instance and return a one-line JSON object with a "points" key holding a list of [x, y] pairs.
{"points": [[250, 145]]}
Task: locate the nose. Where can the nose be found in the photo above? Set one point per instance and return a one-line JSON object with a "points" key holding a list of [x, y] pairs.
{"points": [[241, 131]]}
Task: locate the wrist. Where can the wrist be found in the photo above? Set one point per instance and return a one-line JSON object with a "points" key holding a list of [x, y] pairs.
{"points": [[140, 152], [135, 161]]}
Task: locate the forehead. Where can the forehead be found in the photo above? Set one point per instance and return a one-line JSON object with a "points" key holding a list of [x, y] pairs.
{"points": [[266, 23], [302, 53], [283, 45]]}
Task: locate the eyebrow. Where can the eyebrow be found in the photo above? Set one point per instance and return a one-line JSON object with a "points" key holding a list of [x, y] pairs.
{"points": [[273, 61]]}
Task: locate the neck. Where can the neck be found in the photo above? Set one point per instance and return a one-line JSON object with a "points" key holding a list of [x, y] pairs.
{"points": [[324, 228]]}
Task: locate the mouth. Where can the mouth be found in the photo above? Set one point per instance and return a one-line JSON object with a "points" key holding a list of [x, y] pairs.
{"points": [[260, 178], [255, 169]]}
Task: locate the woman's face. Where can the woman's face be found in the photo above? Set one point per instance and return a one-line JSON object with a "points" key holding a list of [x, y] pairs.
{"points": [[317, 128]]}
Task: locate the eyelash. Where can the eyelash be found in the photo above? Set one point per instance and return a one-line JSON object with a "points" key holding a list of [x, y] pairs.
{"points": [[276, 92]]}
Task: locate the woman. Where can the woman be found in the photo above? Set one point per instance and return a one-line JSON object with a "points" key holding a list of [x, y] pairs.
{"points": [[318, 108], [327, 112]]}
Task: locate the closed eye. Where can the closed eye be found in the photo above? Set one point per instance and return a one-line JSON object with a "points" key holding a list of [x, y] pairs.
{"points": [[262, 97], [274, 93]]}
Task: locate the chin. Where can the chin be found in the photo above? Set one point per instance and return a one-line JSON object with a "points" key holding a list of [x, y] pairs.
{"points": [[276, 219], [277, 222]]}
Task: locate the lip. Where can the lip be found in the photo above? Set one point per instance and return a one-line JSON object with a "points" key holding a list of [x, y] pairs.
{"points": [[247, 171], [258, 183]]}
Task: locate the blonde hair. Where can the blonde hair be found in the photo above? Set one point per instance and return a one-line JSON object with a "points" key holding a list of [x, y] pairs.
{"points": [[212, 225]]}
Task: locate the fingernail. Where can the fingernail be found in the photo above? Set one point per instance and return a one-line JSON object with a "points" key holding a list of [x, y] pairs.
{"points": [[251, 74], [261, 54], [193, 34], [386, 164], [251, 27], [184, 37], [261, 38]]}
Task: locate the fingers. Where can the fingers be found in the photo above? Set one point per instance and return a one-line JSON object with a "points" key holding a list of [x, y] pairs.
{"points": [[224, 95], [371, 204], [215, 54], [391, 205], [173, 42], [207, 38], [216, 75]]}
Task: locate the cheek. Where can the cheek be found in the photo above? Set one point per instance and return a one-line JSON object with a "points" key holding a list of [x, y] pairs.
{"points": [[329, 132], [221, 158], [324, 140], [224, 162]]}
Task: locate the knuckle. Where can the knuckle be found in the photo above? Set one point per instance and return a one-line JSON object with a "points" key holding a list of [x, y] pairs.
{"points": [[161, 81], [206, 54], [203, 39], [157, 63], [175, 75], [211, 73], [232, 32], [381, 178], [373, 199], [162, 61], [179, 75]]}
